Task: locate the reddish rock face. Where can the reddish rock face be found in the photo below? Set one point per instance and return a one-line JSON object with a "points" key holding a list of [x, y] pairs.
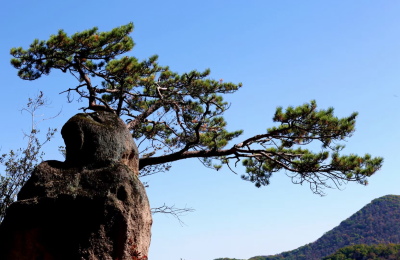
{"points": [[87, 207]]}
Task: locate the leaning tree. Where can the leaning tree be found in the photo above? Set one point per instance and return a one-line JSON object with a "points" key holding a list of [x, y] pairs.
{"points": [[179, 116]]}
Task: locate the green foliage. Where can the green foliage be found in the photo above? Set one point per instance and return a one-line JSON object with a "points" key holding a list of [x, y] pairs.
{"points": [[376, 223], [365, 252], [59, 51], [179, 116], [300, 126]]}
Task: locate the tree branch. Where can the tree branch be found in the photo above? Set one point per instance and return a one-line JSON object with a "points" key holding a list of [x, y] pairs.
{"points": [[175, 212]]}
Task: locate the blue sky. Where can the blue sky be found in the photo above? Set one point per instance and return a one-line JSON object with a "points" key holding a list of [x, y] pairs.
{"points": [[341, 53]]}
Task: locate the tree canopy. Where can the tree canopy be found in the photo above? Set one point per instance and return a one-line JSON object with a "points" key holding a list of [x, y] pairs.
{"points": [[181, 115], [364, 252]]}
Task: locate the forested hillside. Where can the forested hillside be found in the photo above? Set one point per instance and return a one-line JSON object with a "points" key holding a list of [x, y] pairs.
{"points": [[376, 223], [364, 252]]}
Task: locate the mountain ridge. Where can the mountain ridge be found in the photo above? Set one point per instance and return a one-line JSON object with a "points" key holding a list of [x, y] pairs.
{"points": [[376, 223]]}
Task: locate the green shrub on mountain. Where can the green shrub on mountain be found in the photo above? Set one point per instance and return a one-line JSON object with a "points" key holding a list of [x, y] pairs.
{"points": [[365, 252], [376, 223]]}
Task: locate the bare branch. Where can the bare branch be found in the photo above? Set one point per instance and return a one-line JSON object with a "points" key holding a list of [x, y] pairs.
{"points": [[175, 212], [20, 163]]}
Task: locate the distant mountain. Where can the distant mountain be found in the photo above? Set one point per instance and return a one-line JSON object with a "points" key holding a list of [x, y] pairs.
{"points": [[228, 259], [363, 252], [376, 223]]}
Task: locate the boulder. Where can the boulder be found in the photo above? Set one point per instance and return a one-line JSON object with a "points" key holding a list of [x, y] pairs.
{"points": [[98, 139], [92, 206]]}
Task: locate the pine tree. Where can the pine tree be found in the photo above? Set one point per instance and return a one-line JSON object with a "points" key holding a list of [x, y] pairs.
{"points": [[181, 115]]}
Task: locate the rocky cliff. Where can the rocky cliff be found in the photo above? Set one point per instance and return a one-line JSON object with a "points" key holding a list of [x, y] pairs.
{"points": [[88, 207]]}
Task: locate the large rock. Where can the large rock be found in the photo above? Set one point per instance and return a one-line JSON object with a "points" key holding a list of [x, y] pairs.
{"points": [[98, 139], [87, 207]]}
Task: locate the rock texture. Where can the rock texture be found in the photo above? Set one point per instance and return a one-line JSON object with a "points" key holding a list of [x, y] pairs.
{"points": [[98, 139], [87, 207]]}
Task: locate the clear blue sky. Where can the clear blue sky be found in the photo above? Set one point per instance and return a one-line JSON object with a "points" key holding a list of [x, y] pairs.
{"points": [[344, 54]]}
